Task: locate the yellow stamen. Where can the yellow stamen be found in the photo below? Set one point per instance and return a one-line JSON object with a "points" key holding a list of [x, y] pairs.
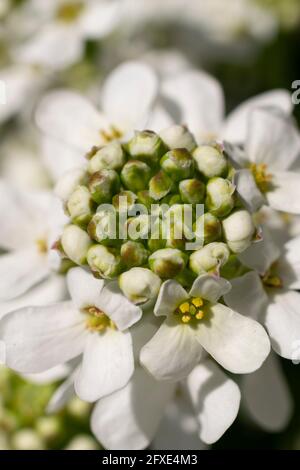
{"points": [[185, 307], [199, 314], [112, 134], [271, 278], [197, 301], [68, 12], [186, 318], [262, 178], [97, 320], [42, 245]]}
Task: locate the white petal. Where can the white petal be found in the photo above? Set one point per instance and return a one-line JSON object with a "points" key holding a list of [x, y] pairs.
{"points": [[21, 84], [272, 139], [38, 338], [200, 101], [248, 296], [69, 118], [99, 18], [172, 352], [107, 365], [128, 94], [49, 376], [210, 287], [42, 48], [282, 321], [21, 270], [216, 400], [238, 343], [143, 331], [248, 190], [179, 427], [52, 289], [62, 395], [159, 119], [84, 288], [289, 264], [285, 192], [266, 396], [261, 255], [129, 418], [171, 295], [121, 311], [59, 158], [235, 128]]}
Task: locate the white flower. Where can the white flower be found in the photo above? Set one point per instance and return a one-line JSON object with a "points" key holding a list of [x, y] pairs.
{"points": [[73, 126], [195, 320], [94, 323], [62, 25], [30, 223], [268, 294], [272, 146], [214, 405]]}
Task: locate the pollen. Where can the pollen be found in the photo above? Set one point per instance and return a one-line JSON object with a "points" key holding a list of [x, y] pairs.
{"points": [[271, 278], [97, 320], [68, 12], [112, 134], [190, 311], [262, 178], [41, 244]]}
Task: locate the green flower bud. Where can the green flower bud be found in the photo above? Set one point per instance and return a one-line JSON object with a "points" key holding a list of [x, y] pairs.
{"points": [[160, 185], [75, 243], [171, 199], [219, 196], [208, 228], [49, 427], [104, 261], [192, 191], [69, 182], [167, 263], [135, 175], [133, 254], [176, 137], [178, 164], [124, 201], [138, 228], [80, 206], [210, 161], [209, 258], [103, 227], [103, 185], [111, 157], [177, 226], [146, 146], [140, 285], [233, 268], [156, 242], [186, 278], [239, 230], [145, 198]]}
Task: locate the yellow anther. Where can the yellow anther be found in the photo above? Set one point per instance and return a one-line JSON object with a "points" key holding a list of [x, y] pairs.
{"points": [[273, 281], [262, 178], [112, 134], [197, 301], [186, 318], [185, 307], [97, 320], [199, 315], [69, 11], [42, 245]]}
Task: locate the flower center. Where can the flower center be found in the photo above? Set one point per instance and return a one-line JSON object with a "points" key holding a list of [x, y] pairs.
{"points": [[69, 12], [42, 246], [191, 310], [261, 177], [97, 320], [271, 278], [113, 133]]}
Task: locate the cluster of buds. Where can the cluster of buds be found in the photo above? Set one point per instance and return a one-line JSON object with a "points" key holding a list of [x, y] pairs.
{"points": [[112, 231]]}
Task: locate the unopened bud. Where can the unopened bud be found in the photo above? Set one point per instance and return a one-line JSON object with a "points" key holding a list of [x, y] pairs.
{"points": [[133, 254], [135, 175], [178, 164], [178, 137], [210, 161], [124, 201], [239, 230], [219, 196], [140, 285], [75, 243], [138, 227], [104, 261], [69, 182], [103, 185], [80, 205], [167, 263], [111, 157], [103, 227], [210, 258], [145, 198], [146, 146], [160, 185], [208, 228], [192, 191]]}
